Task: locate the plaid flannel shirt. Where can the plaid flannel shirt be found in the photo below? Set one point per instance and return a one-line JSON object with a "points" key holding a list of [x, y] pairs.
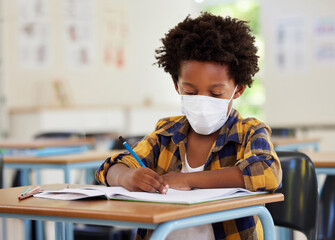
{"points": [[241, 142]]}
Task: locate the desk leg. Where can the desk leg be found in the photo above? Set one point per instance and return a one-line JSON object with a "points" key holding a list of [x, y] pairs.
{"points": [[89, 178], [4, 228], [59, 231], [27, 229], [68, 226], [164, 229], [284, 233], [69, 231], [39, 230], [25, 180], [66, 174], [38, 176]]}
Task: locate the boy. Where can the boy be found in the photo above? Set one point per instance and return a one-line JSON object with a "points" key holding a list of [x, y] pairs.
{"points": [[211, 61]]}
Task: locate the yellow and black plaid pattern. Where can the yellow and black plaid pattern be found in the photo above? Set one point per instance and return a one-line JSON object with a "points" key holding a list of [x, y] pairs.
{"points": [[241, 142]]}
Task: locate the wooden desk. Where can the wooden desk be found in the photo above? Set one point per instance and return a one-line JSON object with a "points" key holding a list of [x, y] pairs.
{"points": [[324, 162], [42, 143], [164, 218], [13, 161], [293, 143]]}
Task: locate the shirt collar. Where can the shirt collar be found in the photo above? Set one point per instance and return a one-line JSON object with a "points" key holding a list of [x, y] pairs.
{"points": [[176, 129], [230, 131]]}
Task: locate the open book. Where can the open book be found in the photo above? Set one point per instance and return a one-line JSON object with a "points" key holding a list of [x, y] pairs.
{"points": [[172, 196]]}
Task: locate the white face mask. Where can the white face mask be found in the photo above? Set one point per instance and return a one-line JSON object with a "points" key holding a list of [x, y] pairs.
{"points": [[205, 114]]}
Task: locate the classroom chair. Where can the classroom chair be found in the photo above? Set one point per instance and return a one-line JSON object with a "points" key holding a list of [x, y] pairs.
{"points": [[326, 227], [61, 134], [131, 140], [299, 185], [283, 132]]}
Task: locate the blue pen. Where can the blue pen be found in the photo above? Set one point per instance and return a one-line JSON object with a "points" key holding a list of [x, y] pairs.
{"points": [[125, 144]]}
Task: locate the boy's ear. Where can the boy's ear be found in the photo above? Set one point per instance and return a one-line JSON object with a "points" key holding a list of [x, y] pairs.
{"points": [[239, 91]]}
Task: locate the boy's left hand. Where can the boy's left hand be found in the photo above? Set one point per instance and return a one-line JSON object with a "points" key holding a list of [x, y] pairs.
{"points": [[176, 180]]}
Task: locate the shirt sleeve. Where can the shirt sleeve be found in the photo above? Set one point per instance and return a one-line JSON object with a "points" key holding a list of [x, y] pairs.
{"points": [[260, 164], [144, 149]]}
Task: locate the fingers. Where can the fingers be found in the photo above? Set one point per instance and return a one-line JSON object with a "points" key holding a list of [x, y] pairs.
{"points": [[177, 180], [147, 180]]}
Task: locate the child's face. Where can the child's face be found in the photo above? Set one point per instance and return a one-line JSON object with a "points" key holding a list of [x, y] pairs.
{"points": [[207, 78]]}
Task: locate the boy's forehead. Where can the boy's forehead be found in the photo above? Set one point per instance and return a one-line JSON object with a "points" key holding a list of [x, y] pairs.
{"points": [[215, 73]]}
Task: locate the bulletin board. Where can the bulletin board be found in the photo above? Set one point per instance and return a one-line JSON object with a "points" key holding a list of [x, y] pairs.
{"points": [[299, 68]]}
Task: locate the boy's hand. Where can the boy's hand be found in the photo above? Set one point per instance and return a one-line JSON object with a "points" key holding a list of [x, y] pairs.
{"points": [[143, 179], [177, 180]]}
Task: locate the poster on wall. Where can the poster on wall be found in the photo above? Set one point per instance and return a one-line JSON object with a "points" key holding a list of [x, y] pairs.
{"points": [[324, 35], [115, 33], [79, 33], [291, 45], [33, 34]]}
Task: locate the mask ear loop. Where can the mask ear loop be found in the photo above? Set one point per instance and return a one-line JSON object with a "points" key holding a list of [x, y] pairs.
{"points": [[179, 89], [231, 99]]}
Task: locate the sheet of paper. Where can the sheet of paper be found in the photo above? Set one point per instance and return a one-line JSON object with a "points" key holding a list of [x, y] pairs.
{"points": [[172, 196]]}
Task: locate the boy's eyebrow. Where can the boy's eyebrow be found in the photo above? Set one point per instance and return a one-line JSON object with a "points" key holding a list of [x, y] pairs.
{"points": [[187, 83], [214, 85], [219, 85]]}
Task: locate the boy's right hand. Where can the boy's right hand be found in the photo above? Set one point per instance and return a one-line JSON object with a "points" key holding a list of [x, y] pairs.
{"points": [[143, 179], [136, 179]]}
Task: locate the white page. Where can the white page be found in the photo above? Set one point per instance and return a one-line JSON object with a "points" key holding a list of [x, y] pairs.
{"points": [[69, 194], [172, 196], [189, 197]]}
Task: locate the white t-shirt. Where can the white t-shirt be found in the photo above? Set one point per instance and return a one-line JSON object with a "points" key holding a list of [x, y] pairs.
{"points": [[204, 232]]}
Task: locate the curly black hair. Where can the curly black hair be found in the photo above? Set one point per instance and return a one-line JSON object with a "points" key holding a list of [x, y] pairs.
{"points": [[210, 38]]}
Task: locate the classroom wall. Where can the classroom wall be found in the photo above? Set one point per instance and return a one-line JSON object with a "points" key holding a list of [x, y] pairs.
{"points": [[126, 79], [117, 71], [297, 73], [299, 38]]}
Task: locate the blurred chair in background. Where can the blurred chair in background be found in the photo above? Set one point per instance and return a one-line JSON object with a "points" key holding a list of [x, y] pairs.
{"points": [[57, 135], [326, 228], [131, 140], [299, 185], [283, 132]]}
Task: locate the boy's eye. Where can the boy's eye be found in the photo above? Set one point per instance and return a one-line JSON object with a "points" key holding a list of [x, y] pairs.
{"points": [[216, 94], [190, 93]]}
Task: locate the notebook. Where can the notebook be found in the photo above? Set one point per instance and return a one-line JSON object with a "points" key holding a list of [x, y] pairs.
{"points": [[172, 196]]}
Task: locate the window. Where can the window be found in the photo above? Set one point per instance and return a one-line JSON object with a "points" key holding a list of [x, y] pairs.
{"points": [[251, 103]]}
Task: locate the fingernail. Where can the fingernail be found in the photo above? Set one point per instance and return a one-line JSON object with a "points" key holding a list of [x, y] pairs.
{"points": [[164, 190], [167, 186]]}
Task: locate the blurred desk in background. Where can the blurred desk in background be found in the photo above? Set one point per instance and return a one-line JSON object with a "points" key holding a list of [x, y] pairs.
{"points": [[87, 160], [324, 162], [295, 144], [43, 143]]}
